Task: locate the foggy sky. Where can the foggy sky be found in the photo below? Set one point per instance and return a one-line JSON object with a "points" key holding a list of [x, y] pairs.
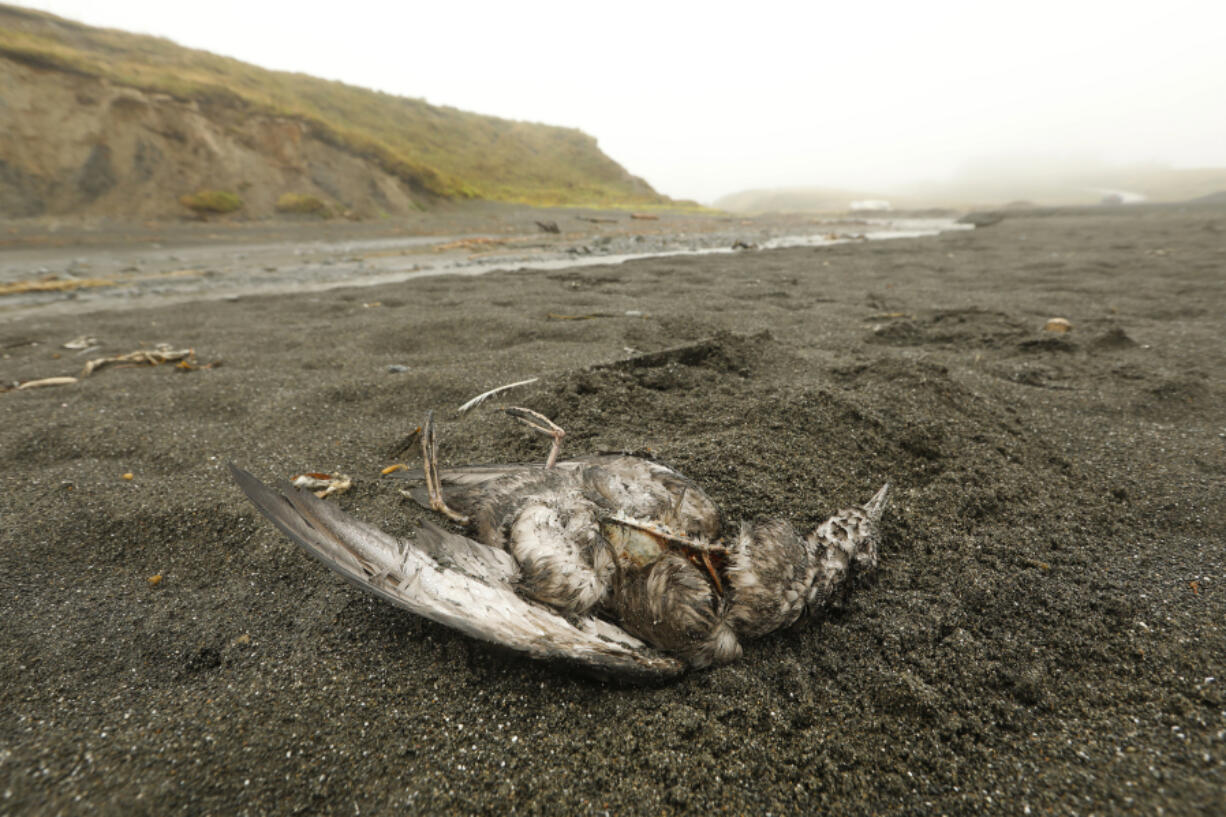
{"points": [[703, 101]]}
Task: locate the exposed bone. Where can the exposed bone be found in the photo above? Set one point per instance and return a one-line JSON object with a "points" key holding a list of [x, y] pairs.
{"points": [[481, 398]]}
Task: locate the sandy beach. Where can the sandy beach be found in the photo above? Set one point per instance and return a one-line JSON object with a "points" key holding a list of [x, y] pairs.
{"points": [[1045, 635]]}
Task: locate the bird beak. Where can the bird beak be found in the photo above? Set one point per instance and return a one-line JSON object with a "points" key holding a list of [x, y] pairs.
{"points": [[875, 506]]}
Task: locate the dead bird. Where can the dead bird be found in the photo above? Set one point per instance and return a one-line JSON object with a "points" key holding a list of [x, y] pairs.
{"points": [[609, 562]]}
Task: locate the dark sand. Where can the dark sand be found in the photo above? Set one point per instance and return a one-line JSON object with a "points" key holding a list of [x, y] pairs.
{"points": [[1045, 635]]}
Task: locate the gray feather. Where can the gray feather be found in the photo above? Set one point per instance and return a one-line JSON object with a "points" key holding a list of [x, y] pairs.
{"points": [[454, 581]]}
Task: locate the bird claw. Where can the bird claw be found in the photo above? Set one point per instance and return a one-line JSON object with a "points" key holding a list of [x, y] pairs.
{"points": [[539, 422]]}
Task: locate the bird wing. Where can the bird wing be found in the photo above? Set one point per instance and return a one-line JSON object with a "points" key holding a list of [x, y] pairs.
{"points": [[648, 490], [467, 487], [469, 475], [454, 581], [472, 476], [620, 483]]}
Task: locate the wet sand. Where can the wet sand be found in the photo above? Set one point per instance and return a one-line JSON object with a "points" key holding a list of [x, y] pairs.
{"points": [[1045, 634]]}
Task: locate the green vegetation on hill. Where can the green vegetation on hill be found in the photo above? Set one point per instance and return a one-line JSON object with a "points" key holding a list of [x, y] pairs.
{"points": [[436, 150], [302, 204], [211, 201]]}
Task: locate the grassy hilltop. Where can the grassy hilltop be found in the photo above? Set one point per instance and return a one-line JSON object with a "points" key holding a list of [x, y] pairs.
{"points": [[433, 151]]}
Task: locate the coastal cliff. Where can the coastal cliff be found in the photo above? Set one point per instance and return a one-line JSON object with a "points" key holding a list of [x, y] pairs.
{"points": [[98, 122]]}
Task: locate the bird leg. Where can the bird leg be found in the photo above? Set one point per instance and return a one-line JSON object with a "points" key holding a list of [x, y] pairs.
{"points": [[539, 422], [429, 466]]}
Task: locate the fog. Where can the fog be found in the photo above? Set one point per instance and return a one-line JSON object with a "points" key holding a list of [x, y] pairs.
{"points": [[703, 102]]}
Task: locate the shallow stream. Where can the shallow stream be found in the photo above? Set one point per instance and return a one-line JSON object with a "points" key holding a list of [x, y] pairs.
{"points": [[75, 280]]}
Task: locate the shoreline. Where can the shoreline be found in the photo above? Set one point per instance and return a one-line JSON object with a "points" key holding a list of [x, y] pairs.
{"points": [[145, 274]]}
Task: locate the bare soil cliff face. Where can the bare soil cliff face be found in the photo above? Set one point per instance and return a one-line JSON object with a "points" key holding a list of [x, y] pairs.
{"points": [[72, 144]]}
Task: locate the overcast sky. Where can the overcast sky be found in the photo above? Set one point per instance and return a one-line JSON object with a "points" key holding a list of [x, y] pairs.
{"points": [[703, 99]]}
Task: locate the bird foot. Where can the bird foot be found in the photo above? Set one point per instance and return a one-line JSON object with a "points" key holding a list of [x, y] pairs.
{"points": [[539, 422]]}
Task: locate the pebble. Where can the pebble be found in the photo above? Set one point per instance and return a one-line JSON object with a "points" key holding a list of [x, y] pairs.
{"points": [[1057, 325]]}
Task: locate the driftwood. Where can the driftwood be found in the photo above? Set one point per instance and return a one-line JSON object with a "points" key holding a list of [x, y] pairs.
{"points": [[46, 381], [164, 353]]}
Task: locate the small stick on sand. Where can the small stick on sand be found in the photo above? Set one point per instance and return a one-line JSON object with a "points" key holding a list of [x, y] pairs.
{"points": [[46, 381]]}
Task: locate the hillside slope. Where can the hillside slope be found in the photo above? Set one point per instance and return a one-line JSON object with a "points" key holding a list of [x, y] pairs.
{"points": [[102, 122]]}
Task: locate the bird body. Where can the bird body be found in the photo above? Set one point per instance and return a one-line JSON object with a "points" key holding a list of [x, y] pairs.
{"points": [[606, 560], [610, 535]]}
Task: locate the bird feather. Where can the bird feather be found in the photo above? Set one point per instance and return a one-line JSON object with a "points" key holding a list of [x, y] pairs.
{"points": [[454, 581]]}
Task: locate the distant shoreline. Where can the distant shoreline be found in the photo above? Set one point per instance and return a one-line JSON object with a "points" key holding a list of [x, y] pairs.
{"points": [[126, 271]]}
